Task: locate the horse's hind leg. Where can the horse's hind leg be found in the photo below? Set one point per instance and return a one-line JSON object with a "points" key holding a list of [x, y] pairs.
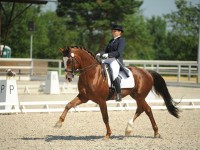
{"points": [[76, 101], [149, 113], [129, 127]]}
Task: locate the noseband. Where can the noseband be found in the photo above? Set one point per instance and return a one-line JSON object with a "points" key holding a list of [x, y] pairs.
{"points": [[72, 71]]}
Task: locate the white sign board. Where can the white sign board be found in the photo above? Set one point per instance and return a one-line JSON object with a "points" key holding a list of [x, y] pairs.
{"points": [[52, 83], [8, 93]]}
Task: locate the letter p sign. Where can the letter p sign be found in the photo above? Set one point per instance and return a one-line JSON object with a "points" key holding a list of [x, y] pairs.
{"points": [[8, 92], [11, 88], [2, 88]]}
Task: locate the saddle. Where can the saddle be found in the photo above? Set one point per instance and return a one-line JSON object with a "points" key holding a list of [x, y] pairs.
{"points": [[125, 76]]}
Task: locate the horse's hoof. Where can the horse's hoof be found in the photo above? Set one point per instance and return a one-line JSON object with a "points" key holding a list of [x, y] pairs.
{"points": [[157, 135], [106, 138], [129, 128], [58, 125], [128, 133]]}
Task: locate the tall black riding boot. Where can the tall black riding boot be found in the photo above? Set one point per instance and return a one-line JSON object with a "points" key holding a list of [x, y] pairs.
{"points": [[118, 89]]}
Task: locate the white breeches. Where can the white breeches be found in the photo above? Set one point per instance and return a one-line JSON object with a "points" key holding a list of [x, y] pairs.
{"points": [[113, 65]]}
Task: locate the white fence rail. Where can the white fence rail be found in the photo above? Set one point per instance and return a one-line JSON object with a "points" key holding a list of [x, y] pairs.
{"points": [[58, 106], [177, 68]]}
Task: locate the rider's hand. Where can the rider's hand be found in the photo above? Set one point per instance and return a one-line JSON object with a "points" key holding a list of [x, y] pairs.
{"points": [[98, 55], [105, 55]]}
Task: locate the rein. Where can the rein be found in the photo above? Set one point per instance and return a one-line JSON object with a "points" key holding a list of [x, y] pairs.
{"points": [[87, 68]]}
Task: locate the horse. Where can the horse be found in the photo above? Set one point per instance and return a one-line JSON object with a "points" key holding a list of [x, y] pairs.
{"points": [[93, 85]]}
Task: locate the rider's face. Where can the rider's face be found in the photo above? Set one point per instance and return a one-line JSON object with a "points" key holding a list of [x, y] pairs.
{"points": [[116, 33]]}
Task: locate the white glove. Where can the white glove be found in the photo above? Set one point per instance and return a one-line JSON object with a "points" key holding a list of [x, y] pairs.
{"points": [[105, 55], [98, 55]]}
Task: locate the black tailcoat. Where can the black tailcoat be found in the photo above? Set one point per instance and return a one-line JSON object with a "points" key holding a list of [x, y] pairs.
{"points": [[115, 48]]}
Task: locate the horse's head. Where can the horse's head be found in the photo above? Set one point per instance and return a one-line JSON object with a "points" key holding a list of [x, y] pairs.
{"points": [[71, 63], [77, 59]]}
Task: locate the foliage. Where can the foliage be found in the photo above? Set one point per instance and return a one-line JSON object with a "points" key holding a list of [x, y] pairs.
{"points": [[87, 23], [183, 37], [50, 33], [93, 18], [138, 40], [18, 35], [158, 31]]}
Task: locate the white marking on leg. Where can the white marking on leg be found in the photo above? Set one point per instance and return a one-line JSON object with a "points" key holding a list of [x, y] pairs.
{"points": [[129, 128]]}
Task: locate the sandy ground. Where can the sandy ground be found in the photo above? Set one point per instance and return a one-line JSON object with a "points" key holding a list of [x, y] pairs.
{"points": [[85, 131]]}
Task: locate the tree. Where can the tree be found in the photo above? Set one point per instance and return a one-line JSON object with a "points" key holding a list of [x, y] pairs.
{"points": [[138, 40], [18, 37], [50, 33], [183, 37], [93, 18], [157, 28], [50, 36]]}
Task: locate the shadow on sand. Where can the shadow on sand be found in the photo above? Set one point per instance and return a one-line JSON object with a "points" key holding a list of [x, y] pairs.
{"points": [[50, 138]]}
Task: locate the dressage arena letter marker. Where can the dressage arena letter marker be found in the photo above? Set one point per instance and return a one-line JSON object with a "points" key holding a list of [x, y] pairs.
{"points": [[8, 93], [2, 88], [11, 88], [52, 83]]}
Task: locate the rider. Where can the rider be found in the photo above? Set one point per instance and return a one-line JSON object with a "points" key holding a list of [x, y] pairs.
{"points": [[113, 56]]}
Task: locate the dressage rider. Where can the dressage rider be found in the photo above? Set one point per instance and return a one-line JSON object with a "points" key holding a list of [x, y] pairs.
{"points": [[113, 56]]}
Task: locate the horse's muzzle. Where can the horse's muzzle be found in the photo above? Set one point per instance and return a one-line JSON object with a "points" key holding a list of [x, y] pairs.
{"points": [[69, 77]]}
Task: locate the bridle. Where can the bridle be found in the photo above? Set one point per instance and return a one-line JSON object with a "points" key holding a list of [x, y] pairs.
{"points": [[72, 71], [82, 70]]}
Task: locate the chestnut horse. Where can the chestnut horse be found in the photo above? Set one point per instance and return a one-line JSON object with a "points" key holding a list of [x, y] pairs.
{"points": [[93, 85]]}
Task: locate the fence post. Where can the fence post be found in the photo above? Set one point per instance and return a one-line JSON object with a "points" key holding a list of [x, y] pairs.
{"points": [[198, 57], [31, 64], [179, 72], [144, 66], [60, 67], [189, 72], [157, 68]]}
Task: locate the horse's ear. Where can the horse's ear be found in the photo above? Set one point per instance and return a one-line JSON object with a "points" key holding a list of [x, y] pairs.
{"points": [[61, 49]]}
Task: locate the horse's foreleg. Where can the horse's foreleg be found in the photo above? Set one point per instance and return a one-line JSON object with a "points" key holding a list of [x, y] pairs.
{"points": [[76, 101], [104, 112], [129, 127], [149, 113]]}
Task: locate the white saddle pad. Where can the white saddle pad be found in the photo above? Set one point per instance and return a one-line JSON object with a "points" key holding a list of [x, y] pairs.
{"points": [[126, 82]]}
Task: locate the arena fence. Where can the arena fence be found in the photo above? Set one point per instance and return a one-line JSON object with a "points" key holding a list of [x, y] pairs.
{"points": [[38, 67], [125, 105]]}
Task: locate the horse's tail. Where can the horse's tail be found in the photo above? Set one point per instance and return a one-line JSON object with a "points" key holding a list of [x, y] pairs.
{"points": [[160, 88]]}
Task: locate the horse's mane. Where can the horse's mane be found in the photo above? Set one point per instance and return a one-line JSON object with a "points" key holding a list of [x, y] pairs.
{"points": [[86, 50]]}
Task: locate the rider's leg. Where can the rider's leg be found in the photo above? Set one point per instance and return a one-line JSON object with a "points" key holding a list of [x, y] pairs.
{"points": [[115, 72], [115, 69], [118, 89]]}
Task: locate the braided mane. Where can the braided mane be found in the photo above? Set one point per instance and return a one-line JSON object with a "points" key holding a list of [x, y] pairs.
{"points": [[84, 49]]}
